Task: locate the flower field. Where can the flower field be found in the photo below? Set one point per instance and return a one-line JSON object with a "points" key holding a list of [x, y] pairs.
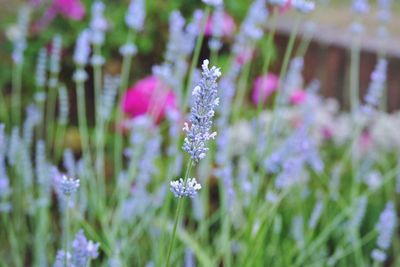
{"points": [[159, 133]]}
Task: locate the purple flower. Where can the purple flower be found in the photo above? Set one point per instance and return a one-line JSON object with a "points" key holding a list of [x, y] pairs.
{"points": [[205, 101]]}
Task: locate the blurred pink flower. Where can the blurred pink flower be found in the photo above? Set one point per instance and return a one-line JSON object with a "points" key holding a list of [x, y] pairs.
{"points": [[71, 9], [150, 96], [365, 141], [327, 132], [263, 87], [228, 26], [298, 97]]}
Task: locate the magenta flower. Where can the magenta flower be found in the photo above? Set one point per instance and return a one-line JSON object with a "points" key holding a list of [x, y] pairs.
{"points": [[298, 97], [228, 26], [71, 9], [149, 96], [263, 87]]}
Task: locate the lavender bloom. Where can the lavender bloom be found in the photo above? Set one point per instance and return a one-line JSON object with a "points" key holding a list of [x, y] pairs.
{"points": [[174, 133], [63, 101], [179, 189], [141, 127], [251, 29], [376, 87], [373, 180], [59, 262], [179, 47], [386, 226], [360, 6], [98, 24], [146, 167], [378, 255], [359, 213], [217, 30], [19, 41], [293, 79], [42, 174], [385, 7], [198, 133], [303, 6], [111, 84], [135, 15], [5, 189], [33, 118], [14, 143], [128, 49], [190, 260], [41, 68], [68, 185], [26, 169], [82, 48], [83, 250], [138, 204], [55, 57]]}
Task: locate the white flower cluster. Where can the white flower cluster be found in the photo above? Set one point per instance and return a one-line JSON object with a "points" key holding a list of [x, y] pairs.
{"points": [[180, 189]]}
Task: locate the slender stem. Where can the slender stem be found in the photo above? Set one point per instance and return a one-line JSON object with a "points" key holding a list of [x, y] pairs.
{"points": [[99, 123], [268, 52], [59, 138], [238, 104], [67, 229], [177, 216], [82, 121], [16, 94], [118, 140], [3, 107], [282, 76]]}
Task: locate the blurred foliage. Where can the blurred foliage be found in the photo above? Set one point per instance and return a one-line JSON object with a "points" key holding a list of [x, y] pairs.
{"points": [[151, 42]]}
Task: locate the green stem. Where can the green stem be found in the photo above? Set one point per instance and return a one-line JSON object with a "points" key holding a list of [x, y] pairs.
{"points": [[3, 107], [99, 123], [268, 52], [82, 121], [238, 104], [16, 94], [67, 230], [118, 140], [177, 216]]}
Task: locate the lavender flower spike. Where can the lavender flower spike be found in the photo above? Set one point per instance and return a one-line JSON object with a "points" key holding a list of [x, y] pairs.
{"points": [[205, 101], [135, 15], [83, 250], [385, 227], [181, 190], [69, 185]]}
